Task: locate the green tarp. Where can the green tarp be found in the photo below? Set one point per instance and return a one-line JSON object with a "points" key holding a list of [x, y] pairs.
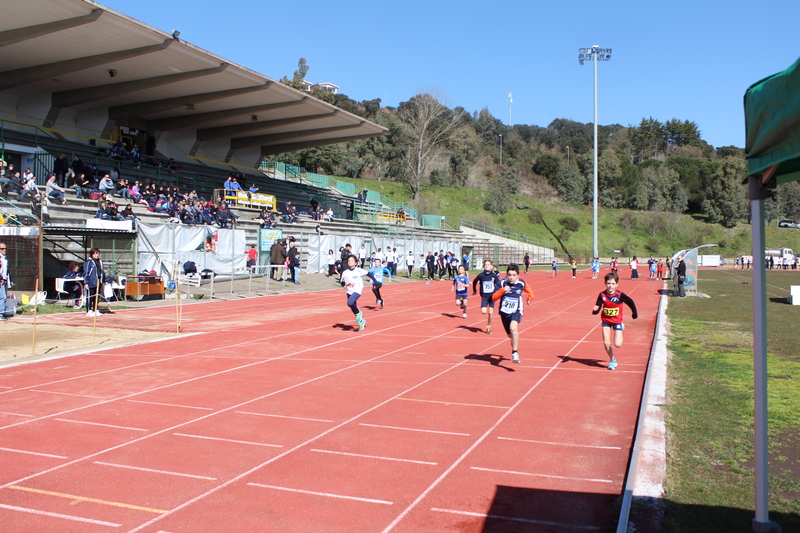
{"points": [[772, 125]]}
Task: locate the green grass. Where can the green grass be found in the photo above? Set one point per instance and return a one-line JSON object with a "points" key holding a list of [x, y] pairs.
{"points": [[710, 406], [632, 232]]}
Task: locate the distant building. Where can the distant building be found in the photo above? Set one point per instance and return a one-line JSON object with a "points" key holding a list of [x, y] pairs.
{"points": [[330, 87]]}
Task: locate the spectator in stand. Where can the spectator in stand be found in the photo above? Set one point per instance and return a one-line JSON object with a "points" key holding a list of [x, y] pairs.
{"points": [[77, 165], [222, 214], [101, 211], [39, 208], [112, 211], [329, 215], [52, 189], [205, 214], [314, 204], [80, 185], [185, 214], [122, 189], [277, 256], [15, 184], [135, 155], [29, 187], [128, 213], [4, 181], [60, 169], [401, 216], [106, 186], [318, 229]]}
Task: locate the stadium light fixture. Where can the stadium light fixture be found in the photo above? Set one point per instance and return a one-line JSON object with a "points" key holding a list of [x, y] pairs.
{"points": [[594, 54]]}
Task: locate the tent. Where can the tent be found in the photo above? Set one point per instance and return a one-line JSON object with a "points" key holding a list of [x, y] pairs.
{"points": [[772, 148]]}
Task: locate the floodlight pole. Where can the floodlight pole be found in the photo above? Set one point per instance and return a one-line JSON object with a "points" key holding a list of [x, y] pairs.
{"points": [[501, 150], [594, 54]]}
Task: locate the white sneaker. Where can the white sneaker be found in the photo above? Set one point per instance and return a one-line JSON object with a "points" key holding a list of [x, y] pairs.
{"points": [[515, 357], [90, 314], [463, 315]]}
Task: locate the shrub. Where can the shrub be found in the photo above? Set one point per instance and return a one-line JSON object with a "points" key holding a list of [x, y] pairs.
{"points": [[570, 223]]}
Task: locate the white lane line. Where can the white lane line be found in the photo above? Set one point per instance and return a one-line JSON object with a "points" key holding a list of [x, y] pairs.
{"points": [[514, 519], [5, 387], [540, 475], [375, 457], [155, 471], [563, 444], [172, 405], [326, 494], [229, 440], [284, 416], [70, 394], [99, 424], [57, 515], [33, 453], [414, 429], [15, 414]]}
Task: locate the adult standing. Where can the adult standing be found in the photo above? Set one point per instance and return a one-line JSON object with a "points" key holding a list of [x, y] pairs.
{"points": [[634, 268], [60, 169], [5, 280], [680, 277], [93, 278], [277, 256], [294, 262], [391, 261]]}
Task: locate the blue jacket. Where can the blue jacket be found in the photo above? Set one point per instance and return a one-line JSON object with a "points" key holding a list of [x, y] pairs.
{"points": [[90, 274]]}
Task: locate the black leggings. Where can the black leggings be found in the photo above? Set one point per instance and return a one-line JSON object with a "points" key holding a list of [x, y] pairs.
{"points": [[376, 290], [91, 299]]}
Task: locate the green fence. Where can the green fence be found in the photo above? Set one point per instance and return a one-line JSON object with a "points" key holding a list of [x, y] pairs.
{"points": [[431, 221], [506, 234]]}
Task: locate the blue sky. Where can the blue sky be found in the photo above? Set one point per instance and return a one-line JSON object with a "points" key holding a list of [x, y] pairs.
{"points": [[690, 60]]}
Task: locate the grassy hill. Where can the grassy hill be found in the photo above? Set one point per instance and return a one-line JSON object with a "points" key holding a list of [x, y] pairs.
{"points": [[638, 233]]}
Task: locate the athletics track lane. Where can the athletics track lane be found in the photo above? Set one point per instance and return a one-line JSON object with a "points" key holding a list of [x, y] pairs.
{"points": [[418, 422]]}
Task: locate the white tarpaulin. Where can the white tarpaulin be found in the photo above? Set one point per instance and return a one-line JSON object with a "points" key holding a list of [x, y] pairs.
{"points": [[167, 247], [319, 245]]}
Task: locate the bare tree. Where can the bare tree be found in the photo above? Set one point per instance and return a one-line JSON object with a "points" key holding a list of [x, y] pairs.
{"points": [[428, 123]]}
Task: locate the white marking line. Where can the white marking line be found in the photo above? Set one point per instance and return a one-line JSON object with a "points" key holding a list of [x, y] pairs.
{"points": [[540, 475], [511, 518], [15, 414], [69, 394], [99, 424], [57, 515], [155, 471], [563, 443], [229, 440], [414, 429], [172, 405], [376, 457], [33, 453], [326, 494], [283, 416], [5, 387]]}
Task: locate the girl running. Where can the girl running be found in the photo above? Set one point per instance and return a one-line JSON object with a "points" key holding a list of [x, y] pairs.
{"points": [[610, 301], [351, 278], [378, 271], [488, 280], [461, 285], [574, 266], [595, 268], [510, 295]]}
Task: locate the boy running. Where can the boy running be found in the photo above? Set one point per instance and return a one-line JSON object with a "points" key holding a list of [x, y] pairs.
{"points": [[351, 278], [489, 280], [595, 268], [610, 301], [461, 286], [554, 266], [574, 266], [511, 308], [378, 272]]}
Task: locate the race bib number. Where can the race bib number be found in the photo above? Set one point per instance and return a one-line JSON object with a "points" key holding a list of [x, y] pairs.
{"points": [[611, 311], [488, 286], [460, 287], [510, 306]]}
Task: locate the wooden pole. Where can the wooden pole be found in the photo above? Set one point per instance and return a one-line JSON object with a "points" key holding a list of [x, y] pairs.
{"points": [[96, 302], [35, 292]]}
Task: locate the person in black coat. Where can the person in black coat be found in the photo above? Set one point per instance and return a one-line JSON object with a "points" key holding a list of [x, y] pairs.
{"points": [[61, 169], [680, 277]]}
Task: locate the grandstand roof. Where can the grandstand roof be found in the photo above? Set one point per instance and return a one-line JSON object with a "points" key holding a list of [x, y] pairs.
{"points": [[77, 60]]}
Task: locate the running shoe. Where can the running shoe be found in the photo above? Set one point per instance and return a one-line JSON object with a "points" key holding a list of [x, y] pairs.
{"points": [[90, 314], [463, 315], [612, 365], [489, 330], [515, 357], [362, 324], [381, 304]]}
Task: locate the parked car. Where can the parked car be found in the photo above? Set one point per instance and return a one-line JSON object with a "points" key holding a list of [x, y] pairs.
{"points": [[787, 224]]}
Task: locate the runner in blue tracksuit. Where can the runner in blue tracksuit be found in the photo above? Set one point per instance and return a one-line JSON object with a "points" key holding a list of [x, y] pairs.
{"points": [[488, 281], [378, 272], [461, 287]]}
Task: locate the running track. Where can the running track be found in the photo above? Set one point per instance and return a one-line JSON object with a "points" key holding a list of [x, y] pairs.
{"points": [[274, 414]]}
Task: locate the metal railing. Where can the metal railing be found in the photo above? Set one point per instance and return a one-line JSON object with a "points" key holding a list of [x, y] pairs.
{"points": [[506, 234]]}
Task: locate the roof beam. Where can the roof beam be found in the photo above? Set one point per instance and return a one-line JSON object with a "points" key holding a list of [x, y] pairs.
{"points": [[26, 75], [208, 134], [293, 147], [75, 97], [199, 119], [18, 35], [260, 140], [120, 112]]}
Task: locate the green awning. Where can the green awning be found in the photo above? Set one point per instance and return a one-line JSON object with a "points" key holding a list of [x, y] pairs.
{"points": [[772, 125]]}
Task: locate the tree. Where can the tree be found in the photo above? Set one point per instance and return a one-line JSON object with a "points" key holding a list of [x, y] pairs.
{"points": [[679, 133], [789, 199], [660, 189], [503, 186], [429, 124], [609, 175], [298, 76], [547, 165], [571, 184], [647, 138], [726, 198]]}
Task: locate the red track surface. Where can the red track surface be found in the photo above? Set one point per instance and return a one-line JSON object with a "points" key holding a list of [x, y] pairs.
{"points": [[278, 416]]}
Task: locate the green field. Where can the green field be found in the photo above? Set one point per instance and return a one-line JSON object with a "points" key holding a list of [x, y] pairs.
{"points": [[710, 474]]}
